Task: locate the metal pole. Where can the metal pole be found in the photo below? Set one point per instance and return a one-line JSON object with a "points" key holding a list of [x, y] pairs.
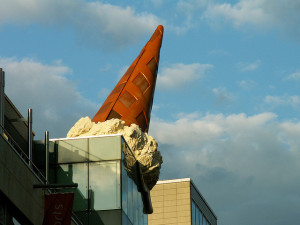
{"points": [[47, 155], [30, 136], [55, 186], [2, 98]]}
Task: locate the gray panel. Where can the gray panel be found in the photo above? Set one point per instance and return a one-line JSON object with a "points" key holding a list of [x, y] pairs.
{"points": [[203, 206], [110, 217]]}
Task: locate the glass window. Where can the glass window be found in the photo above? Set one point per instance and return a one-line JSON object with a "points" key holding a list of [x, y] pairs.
{"points": [[205, 221], [124, 190], [201, 219], [140, 209], [130, 199], [124, 219], [105, 148], [197, 216], [75, 173], [105, 185], [135, 204], [145, 219], [193, 213], [74, 150]]}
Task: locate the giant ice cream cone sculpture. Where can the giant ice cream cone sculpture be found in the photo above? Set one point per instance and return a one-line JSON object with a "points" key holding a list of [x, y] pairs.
{"points": [[130, 104], [131, 100]]}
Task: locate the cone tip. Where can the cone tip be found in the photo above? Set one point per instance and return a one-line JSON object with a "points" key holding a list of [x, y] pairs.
{"points": [[160, 28]]}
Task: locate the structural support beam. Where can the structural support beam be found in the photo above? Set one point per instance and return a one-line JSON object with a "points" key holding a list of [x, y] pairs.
{"points": [[55, 186], [30, 136], [47, 155], [2, 98]]}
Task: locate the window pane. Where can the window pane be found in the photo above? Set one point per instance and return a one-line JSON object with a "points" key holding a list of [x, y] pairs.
{"points": [[197, 216], [74, 150], [135, 204], [75, 173], [193, 213], [124, 190], [105, 185], [201, 219], [105, 148], [140, 209], [130, 200]]}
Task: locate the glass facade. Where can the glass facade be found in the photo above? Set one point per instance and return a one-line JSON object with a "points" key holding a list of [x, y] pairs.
{"points": [[132, 204], [197, 216], [105, 193]]}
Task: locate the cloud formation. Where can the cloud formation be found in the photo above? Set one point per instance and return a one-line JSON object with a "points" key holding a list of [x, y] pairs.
{"points": [[275, 101], [246, 84], [294, 76], [243, 165], [56, 103], [97, 24], [178, 75], [223, 95], [284, 15], [249, 66]]}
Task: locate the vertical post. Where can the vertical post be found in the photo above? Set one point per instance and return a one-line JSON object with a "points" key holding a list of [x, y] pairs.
{"points": [[47, 155], [2, 99], [30, 136]]}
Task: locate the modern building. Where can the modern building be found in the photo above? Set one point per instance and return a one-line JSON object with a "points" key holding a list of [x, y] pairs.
{"points": [[179, 202], [106, 193]]}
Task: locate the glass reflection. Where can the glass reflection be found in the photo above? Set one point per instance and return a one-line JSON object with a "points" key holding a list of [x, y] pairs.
{"points": [[105, 185], [75, 150], [75, 173], [130, 199], [193, 214], [105, 148], [124, 190]]}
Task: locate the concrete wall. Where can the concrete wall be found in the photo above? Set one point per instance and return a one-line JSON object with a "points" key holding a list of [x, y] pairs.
{"points": [[171, 204], [16, 183]]}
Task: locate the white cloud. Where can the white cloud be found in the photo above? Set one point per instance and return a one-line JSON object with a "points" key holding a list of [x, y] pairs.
{"points": [[259, 13], [47, 90], [241, 164], [275, 101], [97, 24], [294, 76], [243, 12], [246, 84], [178, 75], [223, 95], [249, 66]]}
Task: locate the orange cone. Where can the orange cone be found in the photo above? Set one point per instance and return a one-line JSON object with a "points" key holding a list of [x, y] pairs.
{"points": [[131, 100]]}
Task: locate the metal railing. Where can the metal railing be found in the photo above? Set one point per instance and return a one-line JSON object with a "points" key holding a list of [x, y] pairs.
{"points": [[30, 165], [22, 155]]}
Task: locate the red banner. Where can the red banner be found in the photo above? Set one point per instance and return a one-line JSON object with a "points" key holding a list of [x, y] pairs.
{"points": [[58, 209]]}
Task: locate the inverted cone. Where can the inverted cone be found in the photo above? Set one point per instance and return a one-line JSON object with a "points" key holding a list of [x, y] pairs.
{"points": [[131, 100]]}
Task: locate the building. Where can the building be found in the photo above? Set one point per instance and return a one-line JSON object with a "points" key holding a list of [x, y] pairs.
{"points": [[106, 193], [179, 202], [31, 169]]}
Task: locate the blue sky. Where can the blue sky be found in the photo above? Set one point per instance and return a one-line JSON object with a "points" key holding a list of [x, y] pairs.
{"points": [[227, 103]]}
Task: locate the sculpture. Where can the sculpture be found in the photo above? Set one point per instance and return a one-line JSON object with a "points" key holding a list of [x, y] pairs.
{"points": [[127, 111], [131, 100]]}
